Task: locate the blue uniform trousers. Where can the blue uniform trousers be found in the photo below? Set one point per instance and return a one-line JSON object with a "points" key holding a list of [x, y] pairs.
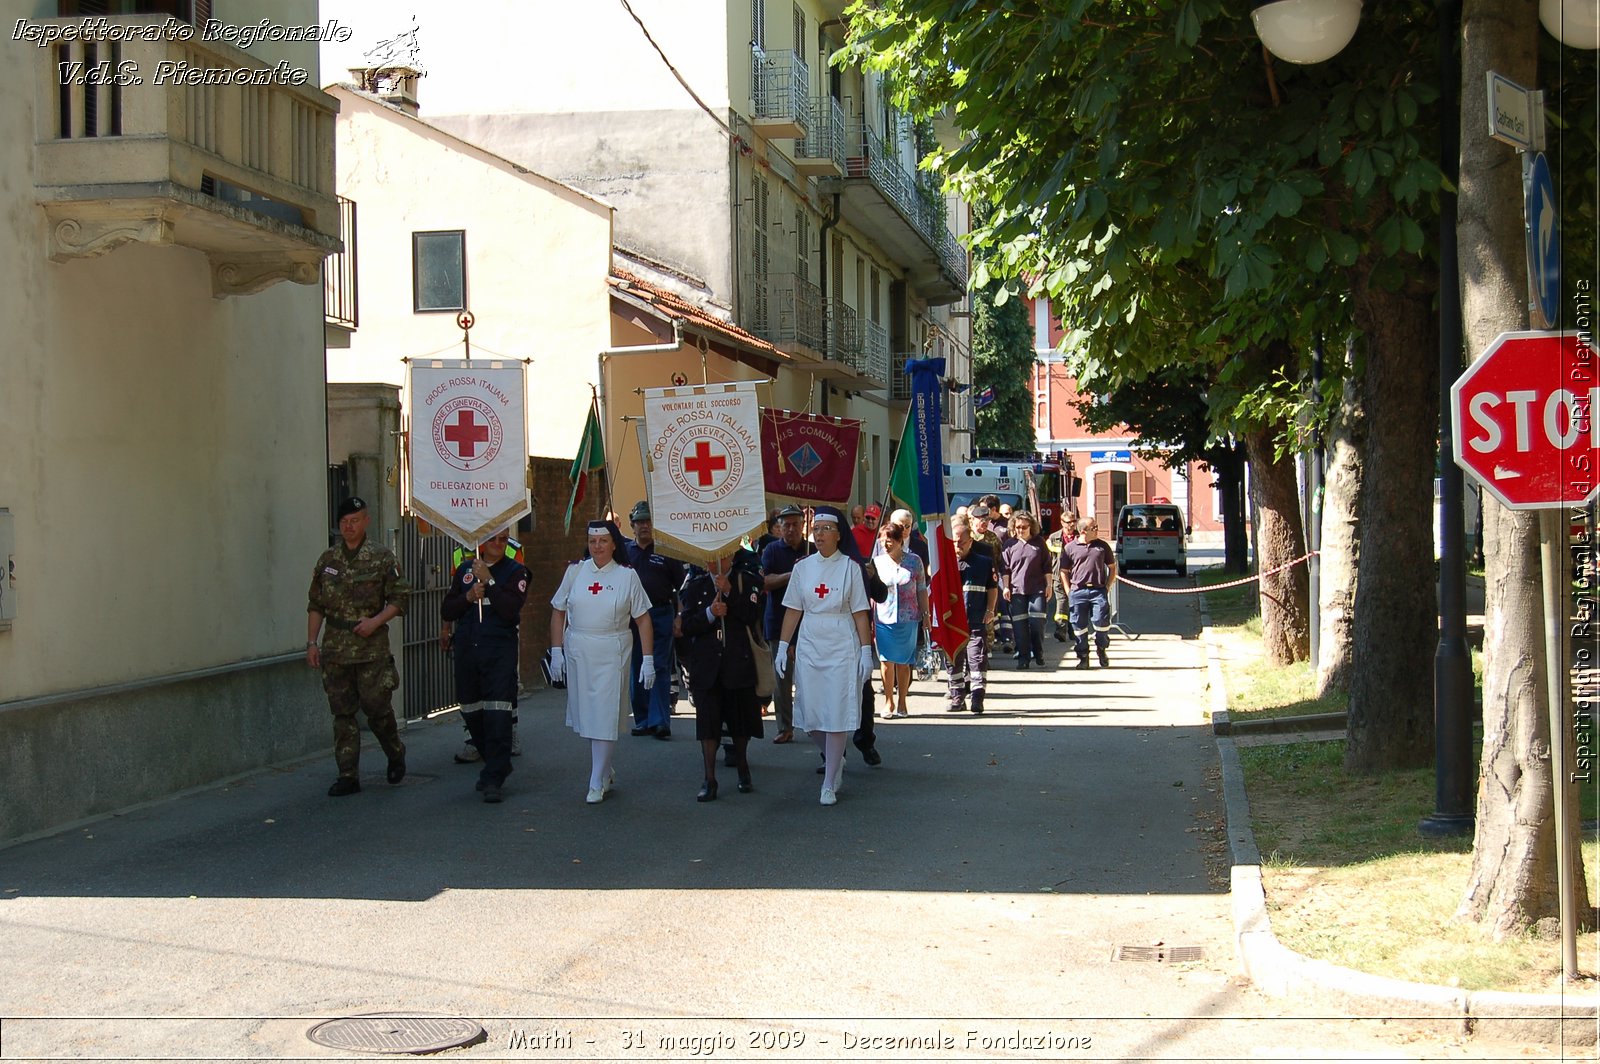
{"points": [[652, 708]]}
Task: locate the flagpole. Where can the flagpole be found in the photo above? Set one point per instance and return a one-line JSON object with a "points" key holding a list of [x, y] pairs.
{"points": [[888, 497], [594, 404]]}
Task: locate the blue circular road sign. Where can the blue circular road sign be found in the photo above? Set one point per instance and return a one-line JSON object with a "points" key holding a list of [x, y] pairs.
{"points": [[1544, 242]]}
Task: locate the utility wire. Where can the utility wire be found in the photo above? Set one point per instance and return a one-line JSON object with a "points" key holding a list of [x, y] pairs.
{"points": [[681, 80]]}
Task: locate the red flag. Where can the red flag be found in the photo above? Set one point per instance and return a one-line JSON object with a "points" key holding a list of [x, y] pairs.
{"points": [[808, 458], [946, 601]]}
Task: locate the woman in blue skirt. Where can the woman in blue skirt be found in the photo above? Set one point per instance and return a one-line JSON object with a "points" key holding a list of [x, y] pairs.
{"points": [[900, 618]]}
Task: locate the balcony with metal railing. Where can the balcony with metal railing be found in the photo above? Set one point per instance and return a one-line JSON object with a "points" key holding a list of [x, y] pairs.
{"points": [[821, 153], [341, 310], [780, 87], [903, 212], [790, 312], [164, 140]]}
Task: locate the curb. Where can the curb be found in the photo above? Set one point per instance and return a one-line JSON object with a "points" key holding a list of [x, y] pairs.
{"points": [[1551, 1019]]}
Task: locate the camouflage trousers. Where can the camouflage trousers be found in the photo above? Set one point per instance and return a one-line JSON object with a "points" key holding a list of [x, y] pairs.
{"points": [[366, 686]]}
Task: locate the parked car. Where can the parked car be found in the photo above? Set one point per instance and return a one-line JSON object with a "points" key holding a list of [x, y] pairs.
{"points": [[1152, 536]]}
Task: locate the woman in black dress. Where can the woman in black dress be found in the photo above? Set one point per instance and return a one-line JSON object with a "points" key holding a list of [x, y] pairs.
{"points": [[720, 607]]}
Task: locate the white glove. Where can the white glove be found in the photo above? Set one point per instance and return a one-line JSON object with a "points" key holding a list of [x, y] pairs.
{"points": [[558, 664], [647, 672], [781, 662], [868, 664]]}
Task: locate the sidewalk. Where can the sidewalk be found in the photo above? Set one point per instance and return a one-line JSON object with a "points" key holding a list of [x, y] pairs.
{"points": [[968, 899]]}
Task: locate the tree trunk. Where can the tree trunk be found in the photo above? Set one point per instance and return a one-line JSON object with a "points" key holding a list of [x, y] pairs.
{"points": [[1513, 879], [1285, 596], [1341, 541], [1227, 462], [1390, 720]]}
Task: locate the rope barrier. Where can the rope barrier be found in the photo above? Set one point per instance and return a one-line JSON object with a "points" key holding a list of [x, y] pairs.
{"points": [[1214, 587]]}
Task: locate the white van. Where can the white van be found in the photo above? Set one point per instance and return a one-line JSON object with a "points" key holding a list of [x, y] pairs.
{"points": [[1152, 536]]}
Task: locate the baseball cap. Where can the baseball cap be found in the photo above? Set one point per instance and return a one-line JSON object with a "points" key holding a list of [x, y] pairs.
{"points": [[874, 510]]}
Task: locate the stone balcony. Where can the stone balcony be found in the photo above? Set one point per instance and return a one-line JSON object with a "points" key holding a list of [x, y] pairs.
{"points": [[187, 143]]}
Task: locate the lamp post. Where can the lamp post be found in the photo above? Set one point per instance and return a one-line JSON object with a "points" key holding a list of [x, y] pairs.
{"points": [[1310, 31]]}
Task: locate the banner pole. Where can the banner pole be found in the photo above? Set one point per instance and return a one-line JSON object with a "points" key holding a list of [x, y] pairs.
{"points": [[887, 504]]}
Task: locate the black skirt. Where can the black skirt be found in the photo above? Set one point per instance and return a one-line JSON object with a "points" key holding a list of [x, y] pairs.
{"points": [[737, 708]]}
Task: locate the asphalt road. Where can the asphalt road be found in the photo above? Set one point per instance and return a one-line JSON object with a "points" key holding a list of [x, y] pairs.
{"points": [[964, 901]]}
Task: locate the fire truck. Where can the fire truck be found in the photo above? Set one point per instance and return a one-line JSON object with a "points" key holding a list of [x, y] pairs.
{"points": [[1022, 484]]}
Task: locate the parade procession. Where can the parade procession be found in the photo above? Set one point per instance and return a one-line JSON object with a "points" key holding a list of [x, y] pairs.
{"points": [[742, 597]]}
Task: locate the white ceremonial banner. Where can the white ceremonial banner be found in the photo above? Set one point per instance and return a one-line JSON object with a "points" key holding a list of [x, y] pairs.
{"points": [[703, 454], [469, 445]]}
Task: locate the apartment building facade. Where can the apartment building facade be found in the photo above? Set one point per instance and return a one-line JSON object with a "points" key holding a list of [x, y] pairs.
{"points": [[161, 406], [784, 188]]}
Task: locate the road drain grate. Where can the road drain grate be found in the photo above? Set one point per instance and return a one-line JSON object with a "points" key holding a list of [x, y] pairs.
{"points": [[1161, 953], [390, 1033]]}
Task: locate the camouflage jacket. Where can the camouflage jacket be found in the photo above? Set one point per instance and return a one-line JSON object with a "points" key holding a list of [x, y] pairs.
{"points": [[346, 588]]}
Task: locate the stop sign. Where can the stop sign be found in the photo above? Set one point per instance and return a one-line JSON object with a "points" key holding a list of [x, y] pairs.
{"points": [[1524, 424]]}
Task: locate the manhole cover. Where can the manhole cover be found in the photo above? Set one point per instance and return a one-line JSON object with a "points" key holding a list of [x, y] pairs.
{"points": [[388, 1033], [1161, 953]]}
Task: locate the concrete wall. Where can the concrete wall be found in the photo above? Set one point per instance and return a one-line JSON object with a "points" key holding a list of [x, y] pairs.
{"points": [[164, 463], [665, 172], [537, 257]]}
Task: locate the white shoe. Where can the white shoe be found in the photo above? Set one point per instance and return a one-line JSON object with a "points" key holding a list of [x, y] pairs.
{"points": [[611, 782], [596, 795], [829, 796], [838, 784], [467, 755]]}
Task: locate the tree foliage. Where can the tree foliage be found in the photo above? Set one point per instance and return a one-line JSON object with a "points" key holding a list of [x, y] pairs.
{"points": [[1002, 359], [1186, 199], [1179, 195]]}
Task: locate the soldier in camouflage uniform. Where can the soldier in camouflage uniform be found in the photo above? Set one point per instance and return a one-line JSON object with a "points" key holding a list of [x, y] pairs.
{"points": [[356, 591]]}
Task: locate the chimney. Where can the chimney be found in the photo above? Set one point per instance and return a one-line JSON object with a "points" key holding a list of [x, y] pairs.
{"points": [[394, 85]]}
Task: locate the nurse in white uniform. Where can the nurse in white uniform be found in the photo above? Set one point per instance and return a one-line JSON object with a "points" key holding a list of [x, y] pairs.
{"points": [[833, 655], [592, 645]]}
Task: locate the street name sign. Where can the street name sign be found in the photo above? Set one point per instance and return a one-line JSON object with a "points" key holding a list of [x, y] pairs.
{"points": [[1516, 114], [1523, 419]]}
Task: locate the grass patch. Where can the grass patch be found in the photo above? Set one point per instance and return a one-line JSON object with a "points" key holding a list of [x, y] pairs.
{"points": [[1348, 877], [1349, 880]]}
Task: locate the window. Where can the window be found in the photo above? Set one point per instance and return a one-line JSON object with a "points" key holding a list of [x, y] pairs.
{"points": [[800, 33], [802, 243], [439, 271], [758, 24]]}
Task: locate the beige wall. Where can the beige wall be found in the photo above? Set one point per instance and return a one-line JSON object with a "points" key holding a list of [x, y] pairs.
{"points": [[510, 56], [537, 257], [163, 450]]}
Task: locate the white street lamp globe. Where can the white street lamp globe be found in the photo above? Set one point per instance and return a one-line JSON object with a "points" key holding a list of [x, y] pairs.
{"points": [[1575, 23], [1306, 31]]}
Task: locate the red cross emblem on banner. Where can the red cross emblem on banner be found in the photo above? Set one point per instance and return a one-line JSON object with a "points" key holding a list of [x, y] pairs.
{"points": [[595, 589], [821, 590], [466, 433], [703, 463]]}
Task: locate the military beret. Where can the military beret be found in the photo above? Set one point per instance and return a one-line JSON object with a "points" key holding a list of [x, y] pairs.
{"points": [[352, 504], [979, 510]]}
